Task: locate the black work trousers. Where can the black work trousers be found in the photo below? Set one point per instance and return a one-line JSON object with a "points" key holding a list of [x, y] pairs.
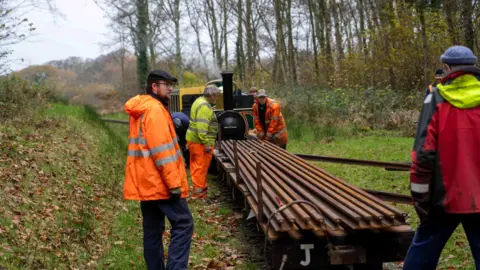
{"points": [[180, 217]]}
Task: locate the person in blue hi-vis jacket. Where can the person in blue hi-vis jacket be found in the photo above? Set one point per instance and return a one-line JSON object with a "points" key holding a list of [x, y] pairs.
{"points": [[181, 123]]}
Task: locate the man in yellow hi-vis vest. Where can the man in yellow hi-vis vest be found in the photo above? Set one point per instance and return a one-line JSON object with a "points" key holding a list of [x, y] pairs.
{"points": [[201, 136]]}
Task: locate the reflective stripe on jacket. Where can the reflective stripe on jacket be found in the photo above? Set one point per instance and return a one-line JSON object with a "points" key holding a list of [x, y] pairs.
{"points": [[154, 162], [274, 122], [203, 123]]}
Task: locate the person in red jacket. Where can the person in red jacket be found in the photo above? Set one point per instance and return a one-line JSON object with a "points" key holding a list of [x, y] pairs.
{"points": [[445, 171]]}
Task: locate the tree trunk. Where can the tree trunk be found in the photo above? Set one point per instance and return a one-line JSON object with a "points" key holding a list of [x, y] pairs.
{"points": [[178, 49], [280, 48], [153, 55], [240, 55], [225, 13], [256, 49], [320, 26], [347, 27], [363, 38], [468, 33], [256, 46], [421, 14], [385, 11], [370, 17], [476, 24], [328, 35], [449, 10], [314, 41], [355, 25], [291, 47], [374, 13], [142, 58], [338, 35], [250, 42], [213, 32], [122, 59]]}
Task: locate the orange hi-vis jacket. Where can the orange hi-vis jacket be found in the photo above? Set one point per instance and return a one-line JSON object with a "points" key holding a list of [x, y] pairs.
{"points": [[274, 123], [154, 163]]}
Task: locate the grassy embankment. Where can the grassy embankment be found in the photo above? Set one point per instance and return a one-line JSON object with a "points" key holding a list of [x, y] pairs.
{"points": [[61, 171]]}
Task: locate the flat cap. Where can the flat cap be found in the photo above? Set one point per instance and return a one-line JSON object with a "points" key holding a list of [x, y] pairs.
{"points": [[159, 74]]}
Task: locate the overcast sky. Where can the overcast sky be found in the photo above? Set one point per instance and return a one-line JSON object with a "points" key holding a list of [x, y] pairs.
{"points": [[77, 34]]}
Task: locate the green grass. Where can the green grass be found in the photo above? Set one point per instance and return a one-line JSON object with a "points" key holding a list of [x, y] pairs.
{"points": [[380, 146], [299, 131], [62, 174], [118, 115], [61, 200]]}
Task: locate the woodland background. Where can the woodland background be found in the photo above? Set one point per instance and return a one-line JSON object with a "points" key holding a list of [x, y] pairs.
{"points": [[366, 62]]}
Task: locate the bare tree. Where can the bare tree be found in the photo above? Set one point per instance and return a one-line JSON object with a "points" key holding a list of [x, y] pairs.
{"points": [[210, 22], [142, 45], [118, 39], [311, 9], [334, 7], [423, 28], [225, 30], [169, 12], [194, 13], [291, 47], [239, 46], [280, 58], [15, 27]]}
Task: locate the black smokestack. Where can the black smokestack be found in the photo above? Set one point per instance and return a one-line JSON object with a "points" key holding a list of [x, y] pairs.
{"points": [[227, 77]]}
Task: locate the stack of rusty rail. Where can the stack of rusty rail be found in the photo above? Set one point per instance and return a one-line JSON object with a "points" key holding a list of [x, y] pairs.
{"points": [[272, 177]]}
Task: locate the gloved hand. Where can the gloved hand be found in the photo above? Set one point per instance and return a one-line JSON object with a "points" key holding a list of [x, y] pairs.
{"points": [[208, 149], [175, 194], [422, 210]]}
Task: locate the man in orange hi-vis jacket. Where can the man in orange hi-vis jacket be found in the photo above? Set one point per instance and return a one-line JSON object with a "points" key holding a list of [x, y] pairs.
{"points": [[155, 174], [269, 121]]}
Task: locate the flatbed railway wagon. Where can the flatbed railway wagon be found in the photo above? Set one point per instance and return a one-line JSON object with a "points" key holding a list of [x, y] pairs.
{"points": [[310, 218]]}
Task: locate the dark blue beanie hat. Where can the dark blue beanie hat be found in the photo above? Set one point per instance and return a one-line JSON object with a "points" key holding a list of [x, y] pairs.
{"points": [[458, 55]]}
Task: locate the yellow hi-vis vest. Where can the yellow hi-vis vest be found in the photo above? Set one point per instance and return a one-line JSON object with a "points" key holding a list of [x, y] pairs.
{"points": [[203, 123]]}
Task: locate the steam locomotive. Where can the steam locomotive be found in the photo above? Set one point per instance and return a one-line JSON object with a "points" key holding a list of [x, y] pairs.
{"points": [[233, 110], [236, 119]]}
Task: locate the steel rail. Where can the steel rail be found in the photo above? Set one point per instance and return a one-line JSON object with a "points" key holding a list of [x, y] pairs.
{"points": [[332, 181], [285, 178], [354, 191], [387, 165]]}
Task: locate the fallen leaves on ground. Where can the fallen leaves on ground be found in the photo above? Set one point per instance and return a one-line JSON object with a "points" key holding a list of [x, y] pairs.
{"points": [[55, 212], [224, 228]]}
